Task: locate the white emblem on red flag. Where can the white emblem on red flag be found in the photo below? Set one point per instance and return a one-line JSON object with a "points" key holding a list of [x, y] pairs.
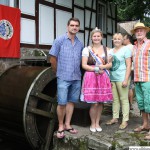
{"points": [[6, 29]]}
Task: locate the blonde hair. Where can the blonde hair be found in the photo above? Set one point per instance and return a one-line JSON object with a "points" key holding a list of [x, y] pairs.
{"points": [[118, 35], [95, 31]]}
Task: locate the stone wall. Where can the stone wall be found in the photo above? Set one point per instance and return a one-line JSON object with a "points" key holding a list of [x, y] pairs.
{"points": [[27, 54], [6, 63]]}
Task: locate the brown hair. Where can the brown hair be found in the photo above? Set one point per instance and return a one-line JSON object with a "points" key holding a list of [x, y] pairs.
{"points": [[73, 19]]}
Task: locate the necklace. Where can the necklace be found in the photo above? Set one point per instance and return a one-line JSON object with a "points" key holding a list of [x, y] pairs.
{"points": [[98, 52]]}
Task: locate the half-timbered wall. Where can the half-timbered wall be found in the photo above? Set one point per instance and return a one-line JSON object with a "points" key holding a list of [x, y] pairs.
{"points": [[111, 23], [44, 20]]}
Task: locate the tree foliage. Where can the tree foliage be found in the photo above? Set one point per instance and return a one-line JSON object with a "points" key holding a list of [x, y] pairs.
{"points": [[129, 10], [132, 9]]}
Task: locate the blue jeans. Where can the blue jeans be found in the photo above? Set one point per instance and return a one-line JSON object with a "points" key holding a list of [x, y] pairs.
{"points": [[68, 91]]}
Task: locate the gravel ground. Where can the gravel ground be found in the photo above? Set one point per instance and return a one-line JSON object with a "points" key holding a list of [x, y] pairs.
{"points": [[134, 121]]}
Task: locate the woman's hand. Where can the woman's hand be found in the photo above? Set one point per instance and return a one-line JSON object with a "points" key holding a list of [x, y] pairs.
{"points": [[124, 84], [100, 71], [101, 67]]}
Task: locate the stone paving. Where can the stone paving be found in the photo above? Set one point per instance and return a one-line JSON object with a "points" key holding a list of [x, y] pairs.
{"points": [[111, 138]]}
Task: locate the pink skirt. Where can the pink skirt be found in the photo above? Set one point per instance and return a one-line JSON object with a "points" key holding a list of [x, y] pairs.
{"points": [[96, 88]]}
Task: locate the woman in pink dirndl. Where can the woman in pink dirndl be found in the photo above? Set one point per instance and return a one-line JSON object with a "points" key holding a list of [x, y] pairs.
{"points": [[96, 87]]}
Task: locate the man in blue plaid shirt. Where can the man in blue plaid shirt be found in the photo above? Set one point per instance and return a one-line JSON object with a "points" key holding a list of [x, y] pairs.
{"points": [[65, 60]]}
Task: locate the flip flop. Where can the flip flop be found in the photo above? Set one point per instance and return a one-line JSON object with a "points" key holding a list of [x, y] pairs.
{"points": [[147, 133], [60, 134], [123, 126], [72, 131], [147, 137], [111, 122], [140, 129]]}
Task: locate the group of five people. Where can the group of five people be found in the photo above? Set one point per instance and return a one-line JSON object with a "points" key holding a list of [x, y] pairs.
{"points": [[106, 78]]}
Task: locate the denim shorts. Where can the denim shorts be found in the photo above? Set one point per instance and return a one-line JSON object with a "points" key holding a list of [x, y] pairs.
{"points": [[68, 91], [142, 91]]}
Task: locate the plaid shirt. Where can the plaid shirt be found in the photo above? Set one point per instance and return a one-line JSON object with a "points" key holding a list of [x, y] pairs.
{"points": [[68, 57], [141, 60]]}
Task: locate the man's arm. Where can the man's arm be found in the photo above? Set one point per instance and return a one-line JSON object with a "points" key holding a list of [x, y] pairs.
{"points": [[53, 61]]}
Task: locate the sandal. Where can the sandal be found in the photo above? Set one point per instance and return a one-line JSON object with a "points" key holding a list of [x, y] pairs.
{"points": [[60, 134], [72, 131], [123, 126], [147, 137], [110, 122], [140, 129], [147, 133]]}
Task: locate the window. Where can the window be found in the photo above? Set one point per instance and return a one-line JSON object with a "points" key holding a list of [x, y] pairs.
{"points": [[101, 16], [4, 2], [11, 3]]}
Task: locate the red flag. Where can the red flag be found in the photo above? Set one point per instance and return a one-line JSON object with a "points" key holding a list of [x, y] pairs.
{"points": [[9, 32]]}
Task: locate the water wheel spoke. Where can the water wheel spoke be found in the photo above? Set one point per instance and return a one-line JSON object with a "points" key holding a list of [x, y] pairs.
{"points": [[45, 97], [40, 112], [49, 134]]}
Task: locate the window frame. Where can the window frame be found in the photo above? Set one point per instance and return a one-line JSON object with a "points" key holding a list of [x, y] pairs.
{"points": [[104, 15]]}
